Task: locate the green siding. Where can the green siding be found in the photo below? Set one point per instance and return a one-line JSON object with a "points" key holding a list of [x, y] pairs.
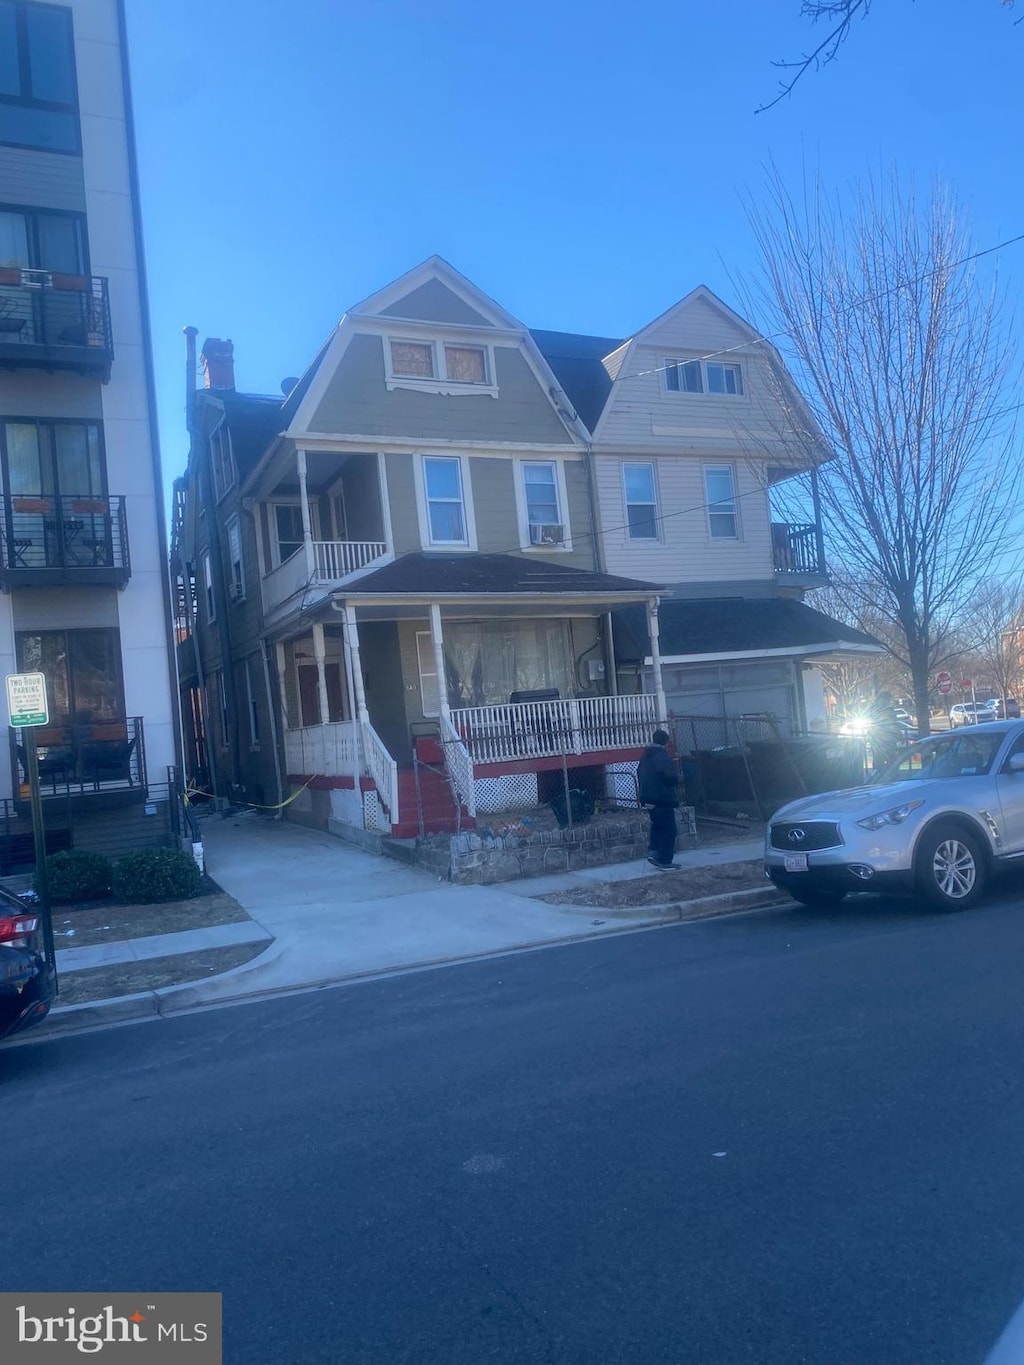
{"points": [[405, 526], [494, 501], [435, 302], [357, 401], [382, 677]]}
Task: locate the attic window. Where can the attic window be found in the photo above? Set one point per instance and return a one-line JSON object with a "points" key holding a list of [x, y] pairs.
{"points": [[703, 376], [466, 364], [412, 359]]}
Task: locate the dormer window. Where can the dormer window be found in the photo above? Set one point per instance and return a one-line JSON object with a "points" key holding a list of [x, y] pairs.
{"points": [[437, 365], [703, 376]]}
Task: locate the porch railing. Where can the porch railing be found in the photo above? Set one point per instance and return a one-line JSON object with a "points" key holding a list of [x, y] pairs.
{"points": [[459, 764], [339, 558], [325, 750], [795, 548], [383, 769], [538, 729]]}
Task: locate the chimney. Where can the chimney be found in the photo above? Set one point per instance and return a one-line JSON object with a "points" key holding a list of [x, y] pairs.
{"points": [[218, 359]]}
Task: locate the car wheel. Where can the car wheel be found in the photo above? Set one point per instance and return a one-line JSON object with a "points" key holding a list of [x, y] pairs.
{"points": [[950, 872], [817, 898]]}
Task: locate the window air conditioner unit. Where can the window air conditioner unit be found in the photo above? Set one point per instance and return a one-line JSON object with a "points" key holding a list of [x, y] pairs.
{"points": [[547, 535], [236, 592]]}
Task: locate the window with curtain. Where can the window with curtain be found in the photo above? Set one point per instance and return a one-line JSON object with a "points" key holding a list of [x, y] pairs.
{"points": [[53, 458], [486, 661]]}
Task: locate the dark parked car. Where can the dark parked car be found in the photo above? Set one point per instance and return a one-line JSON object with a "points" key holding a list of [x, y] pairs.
{"points": [[27, 985], [1006, 710]]}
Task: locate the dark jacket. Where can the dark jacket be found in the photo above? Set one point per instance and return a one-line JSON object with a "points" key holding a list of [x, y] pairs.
{"points": [[657, 778]]}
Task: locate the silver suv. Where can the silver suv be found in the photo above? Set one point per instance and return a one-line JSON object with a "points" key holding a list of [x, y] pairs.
{"points": [[936, 822]]}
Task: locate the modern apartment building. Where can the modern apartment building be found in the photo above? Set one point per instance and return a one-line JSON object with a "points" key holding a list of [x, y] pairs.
{"points": [[82, 542]]}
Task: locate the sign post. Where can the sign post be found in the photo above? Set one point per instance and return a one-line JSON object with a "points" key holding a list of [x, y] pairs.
{"points": [[26, 705]]}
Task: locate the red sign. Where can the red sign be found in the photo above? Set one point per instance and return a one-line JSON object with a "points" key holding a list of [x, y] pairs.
{"points": [[966, 684], [944, 683]]}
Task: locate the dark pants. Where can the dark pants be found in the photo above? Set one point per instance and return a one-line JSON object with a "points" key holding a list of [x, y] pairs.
{"points": [[663, 833]]}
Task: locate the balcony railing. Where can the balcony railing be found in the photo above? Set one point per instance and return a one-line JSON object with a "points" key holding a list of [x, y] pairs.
{"points": [[796, 549], [55, 321], [84, 758], [542, 729], [339, 558], [324, 750], [68, 540]]}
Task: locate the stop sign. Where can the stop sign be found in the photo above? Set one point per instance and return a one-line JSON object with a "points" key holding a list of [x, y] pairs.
{"points": [[944, 683], [966, 684]]}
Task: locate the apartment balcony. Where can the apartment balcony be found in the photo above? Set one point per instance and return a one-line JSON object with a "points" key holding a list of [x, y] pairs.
{"points": [[797, 554], [100, 763], [63, 542], [318, 564], [52, 321]]}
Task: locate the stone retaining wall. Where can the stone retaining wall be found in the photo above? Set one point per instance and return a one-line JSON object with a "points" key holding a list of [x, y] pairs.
{"points": [[480, 859]]}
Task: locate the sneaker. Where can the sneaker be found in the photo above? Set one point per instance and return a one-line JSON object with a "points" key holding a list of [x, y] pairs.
{"points": [[662, 867]]}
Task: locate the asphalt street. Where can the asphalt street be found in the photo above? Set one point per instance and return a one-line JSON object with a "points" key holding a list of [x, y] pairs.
{"points": [[788, 1137]]}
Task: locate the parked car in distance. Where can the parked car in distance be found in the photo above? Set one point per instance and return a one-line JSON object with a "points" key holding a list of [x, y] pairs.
{"points": [[936, 823], [968, 713], [903, 715], [27, 986], [1005, 709]]}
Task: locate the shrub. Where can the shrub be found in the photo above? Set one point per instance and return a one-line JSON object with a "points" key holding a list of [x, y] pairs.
{"points": [[77, 875], [156, 874]]}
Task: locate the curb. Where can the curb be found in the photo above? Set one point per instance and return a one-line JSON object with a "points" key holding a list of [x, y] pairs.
{"points": [[168, 1001]]}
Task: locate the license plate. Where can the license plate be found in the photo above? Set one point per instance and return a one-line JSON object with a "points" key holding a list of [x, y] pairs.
{"points": [[796, 862]]}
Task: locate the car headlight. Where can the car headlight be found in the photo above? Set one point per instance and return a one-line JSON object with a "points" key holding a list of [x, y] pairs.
{"points": [[896, 816]]}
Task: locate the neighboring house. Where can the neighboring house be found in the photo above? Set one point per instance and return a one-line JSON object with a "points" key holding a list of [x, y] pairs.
{"points": [[401, 557], [80, 467], [694, 422]]}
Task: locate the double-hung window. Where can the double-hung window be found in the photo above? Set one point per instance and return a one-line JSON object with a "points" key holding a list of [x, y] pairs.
{"points": [[446, 507], [235, 556], [208, 597], [38, 96], [703, 376], [221, 460], [720, 494], [641, 501], [544, 521], [435, 365]]}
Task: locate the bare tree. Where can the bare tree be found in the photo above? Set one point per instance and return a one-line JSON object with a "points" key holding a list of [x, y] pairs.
{"points": [[840, 15], [904, 364], [993, 636]]}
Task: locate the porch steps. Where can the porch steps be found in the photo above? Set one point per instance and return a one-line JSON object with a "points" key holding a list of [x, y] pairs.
{"points": [[439, 815]]}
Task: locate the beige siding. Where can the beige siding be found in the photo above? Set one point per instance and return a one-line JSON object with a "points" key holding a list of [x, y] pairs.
{"points": [[357, 401], [686, 552], [642, 410], [34, 394], [405, 527], [435, 302], [41, 180], [64, 608]]}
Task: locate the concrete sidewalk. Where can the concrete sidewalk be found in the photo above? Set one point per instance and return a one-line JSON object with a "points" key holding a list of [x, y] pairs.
{"points": [[337, 913]]}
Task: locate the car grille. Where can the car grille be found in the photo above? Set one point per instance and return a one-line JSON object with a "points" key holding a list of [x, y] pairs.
{"points": [[816, 834]]}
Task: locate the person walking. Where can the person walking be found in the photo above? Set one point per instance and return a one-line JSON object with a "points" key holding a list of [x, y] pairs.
{"points": [[658, 784]]}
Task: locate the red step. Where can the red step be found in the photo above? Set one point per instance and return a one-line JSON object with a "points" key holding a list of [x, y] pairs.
{"points": [[438, 804]]}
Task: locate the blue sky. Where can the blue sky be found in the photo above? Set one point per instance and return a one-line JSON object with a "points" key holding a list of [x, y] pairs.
{"points": [[583, 163]]}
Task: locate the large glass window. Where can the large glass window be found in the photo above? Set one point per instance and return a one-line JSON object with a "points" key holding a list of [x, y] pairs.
{"points": [[38, 102], [446, 513], [486, 661], [83, 672], [641, 501], [45, 459]]}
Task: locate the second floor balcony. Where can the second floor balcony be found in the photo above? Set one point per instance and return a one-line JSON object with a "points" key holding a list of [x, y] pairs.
{"points": [[798, 556], [65, 541], [54, 321]]}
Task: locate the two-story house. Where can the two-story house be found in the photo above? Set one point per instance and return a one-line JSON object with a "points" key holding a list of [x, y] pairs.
{"points": [[83, 564], [450, 538]]}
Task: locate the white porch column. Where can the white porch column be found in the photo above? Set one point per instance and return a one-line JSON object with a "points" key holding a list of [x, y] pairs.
{"points": [[282, 683], [347, 627], [442, 677], [352, 634], [307, 520], [320, 655], [659, 684]]}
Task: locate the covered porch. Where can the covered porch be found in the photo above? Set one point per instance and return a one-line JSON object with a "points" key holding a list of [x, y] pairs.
{"points": [[488, 668]]}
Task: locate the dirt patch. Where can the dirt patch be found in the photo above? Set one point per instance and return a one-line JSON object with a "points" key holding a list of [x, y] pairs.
{"points": [[126, 978], [665, 888], [79, 927]]}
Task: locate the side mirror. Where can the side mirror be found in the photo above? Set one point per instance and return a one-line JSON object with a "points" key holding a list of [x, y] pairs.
{"points": [[1016, 763]]}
